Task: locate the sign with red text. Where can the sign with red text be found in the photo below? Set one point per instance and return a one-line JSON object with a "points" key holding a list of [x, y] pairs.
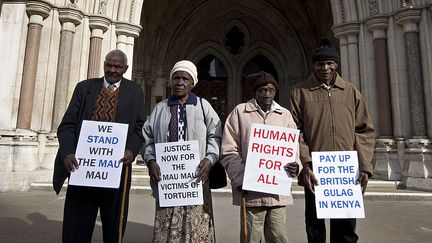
{"points": [[270, 149], [100, 147], [337, 195], [178, 162]]}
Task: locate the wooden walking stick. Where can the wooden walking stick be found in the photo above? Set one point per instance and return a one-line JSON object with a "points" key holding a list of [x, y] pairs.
{"points": [[244, 223]]}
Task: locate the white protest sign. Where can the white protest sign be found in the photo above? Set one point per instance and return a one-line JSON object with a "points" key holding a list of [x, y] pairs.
{"points": [[270, 149], [178, 162], [337, 195], [100, 147]]}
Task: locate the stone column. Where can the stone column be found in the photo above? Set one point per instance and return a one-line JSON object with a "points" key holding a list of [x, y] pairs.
{"points": [[98, 25], [37, 12], [418, 168], [387, 164], [343, 45], [69, 19], [409, 17], [149, 80], [350, 32], [126, 32], [378, 25]]}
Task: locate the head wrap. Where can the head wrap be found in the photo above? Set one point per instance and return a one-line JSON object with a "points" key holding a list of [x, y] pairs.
{"points": [[256, 80], [186, 66], [325, 52]]}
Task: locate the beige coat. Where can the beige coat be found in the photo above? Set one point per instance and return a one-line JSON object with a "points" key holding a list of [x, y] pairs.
{"points": [[335, 120], [235, 140]]}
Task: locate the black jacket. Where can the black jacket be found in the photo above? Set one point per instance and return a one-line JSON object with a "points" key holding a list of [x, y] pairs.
{"points": [[130, 110]]}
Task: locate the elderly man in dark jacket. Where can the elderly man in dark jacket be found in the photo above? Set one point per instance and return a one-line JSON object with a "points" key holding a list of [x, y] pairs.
{"points": [[111, 98], [332, 116]]}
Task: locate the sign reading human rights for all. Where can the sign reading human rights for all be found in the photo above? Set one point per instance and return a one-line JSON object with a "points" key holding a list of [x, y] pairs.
{"points": [[338, 195], [100, 147], [178, 162], [270, 149]]}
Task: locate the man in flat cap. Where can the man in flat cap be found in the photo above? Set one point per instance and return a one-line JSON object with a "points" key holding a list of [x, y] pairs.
{"points": [[262, 212], [183, 117], [332, 116]]}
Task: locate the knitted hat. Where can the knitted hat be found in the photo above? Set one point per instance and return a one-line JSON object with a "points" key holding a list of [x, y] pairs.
{"points": [[256, 80], [186, 66], [326, 51]]}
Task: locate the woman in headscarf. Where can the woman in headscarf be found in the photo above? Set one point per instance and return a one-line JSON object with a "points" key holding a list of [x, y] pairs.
{"points": [[183, 117]]}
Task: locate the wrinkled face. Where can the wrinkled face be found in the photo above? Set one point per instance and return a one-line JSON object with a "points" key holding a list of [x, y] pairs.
{"points": [[264, 96], [324, 70], [114, 67], [182, 84]]}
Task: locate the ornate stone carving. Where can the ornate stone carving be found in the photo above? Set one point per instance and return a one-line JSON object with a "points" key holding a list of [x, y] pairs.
{"points": [[342, 8], [407, 4], [102, 7], [131, 12], [73, 3], [373, 7]]}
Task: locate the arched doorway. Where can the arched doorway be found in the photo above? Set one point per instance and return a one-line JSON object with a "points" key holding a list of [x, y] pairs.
{"points": [[212, 83], [256, 64]]}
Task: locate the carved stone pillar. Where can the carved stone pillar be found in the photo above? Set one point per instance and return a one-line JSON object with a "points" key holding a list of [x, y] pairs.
{"points": [[378, 26], [409, 17], [37, 12], [418, 171], [387, 165], [418, 168], [98, 26], [69, 18], [126, 33], [350, 32]]}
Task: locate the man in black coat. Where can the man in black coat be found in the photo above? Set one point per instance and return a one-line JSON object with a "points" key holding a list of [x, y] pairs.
{"points": [[111, 98]]}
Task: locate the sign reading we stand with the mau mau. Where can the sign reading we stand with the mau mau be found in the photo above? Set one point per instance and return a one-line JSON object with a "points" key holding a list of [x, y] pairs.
{"points": [[270, 149], [178, 162], [100, 147], [337, 195]]}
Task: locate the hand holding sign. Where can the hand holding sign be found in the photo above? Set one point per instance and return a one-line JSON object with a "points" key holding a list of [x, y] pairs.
{"points": [[71, 163], [203, 169], [128, 157], [363, 180]]}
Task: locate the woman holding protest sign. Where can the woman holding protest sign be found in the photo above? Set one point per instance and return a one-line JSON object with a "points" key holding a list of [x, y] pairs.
{"points": [[183, 117]]}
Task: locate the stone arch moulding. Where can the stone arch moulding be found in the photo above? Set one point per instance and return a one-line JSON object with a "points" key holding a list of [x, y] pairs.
{"points": [[229, 26], [212, 48], [181, 37], [282, 65]]}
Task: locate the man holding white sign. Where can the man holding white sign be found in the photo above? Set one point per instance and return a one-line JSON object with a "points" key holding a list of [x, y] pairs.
{"points": [[332, 116], [113, 99], [262, 133]]}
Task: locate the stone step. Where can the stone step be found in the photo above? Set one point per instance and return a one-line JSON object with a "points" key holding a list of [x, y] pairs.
{"points": [[377, 189]]}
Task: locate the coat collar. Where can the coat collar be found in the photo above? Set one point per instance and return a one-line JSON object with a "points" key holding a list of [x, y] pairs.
{"points": [[251, 106], [191, 100], [316, 84]]}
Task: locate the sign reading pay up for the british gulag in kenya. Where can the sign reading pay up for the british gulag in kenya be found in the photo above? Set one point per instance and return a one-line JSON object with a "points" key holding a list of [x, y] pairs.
{"points": [[270, 149], [178, 162], [100, 147], [337, 195]]}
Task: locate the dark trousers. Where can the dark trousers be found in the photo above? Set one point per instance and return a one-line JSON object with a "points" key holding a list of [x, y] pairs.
{"points": [[81, 208], [341, 230]]}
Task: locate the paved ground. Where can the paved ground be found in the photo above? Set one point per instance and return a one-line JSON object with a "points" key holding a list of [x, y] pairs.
{"points": [[36, 216]]}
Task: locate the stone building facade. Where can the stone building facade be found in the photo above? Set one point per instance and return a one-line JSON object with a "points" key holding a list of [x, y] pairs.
{"points": [[50, 45]]}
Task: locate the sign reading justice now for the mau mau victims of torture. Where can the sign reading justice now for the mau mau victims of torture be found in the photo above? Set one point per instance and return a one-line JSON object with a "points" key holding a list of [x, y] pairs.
{"points": [[178, 162], [337, 195], [100, 147], [270, 149]]}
